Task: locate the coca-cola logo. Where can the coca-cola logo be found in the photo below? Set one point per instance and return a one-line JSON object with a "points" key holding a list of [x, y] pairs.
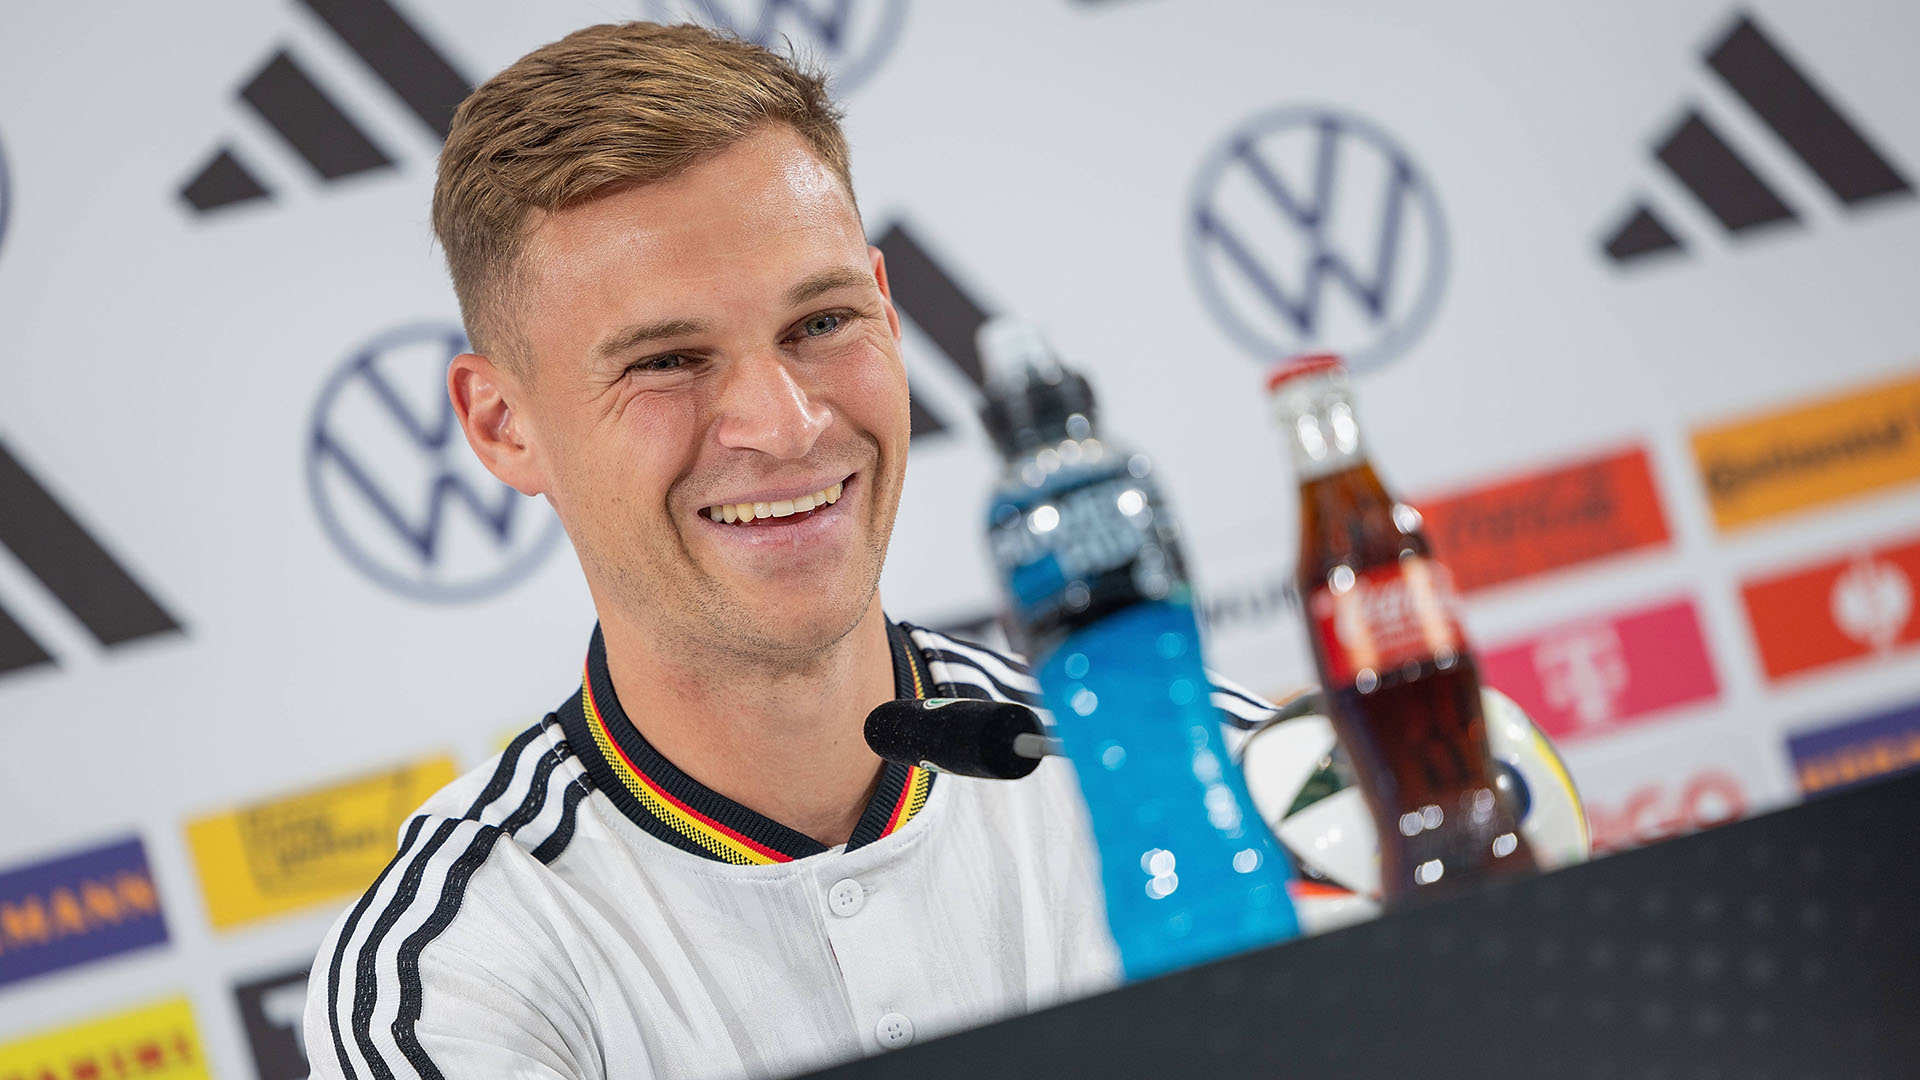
{"points": [[1389, 605], [1661, 810], [1379, 619]]}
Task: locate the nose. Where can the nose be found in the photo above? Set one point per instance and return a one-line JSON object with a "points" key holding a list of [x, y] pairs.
{"points": [[764, 407]]}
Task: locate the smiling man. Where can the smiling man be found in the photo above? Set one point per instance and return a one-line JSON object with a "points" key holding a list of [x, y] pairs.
{"points": [[694, 866]]}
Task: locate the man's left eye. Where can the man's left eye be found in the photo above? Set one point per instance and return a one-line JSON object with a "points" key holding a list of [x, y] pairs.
{"points": [[817, 325]]}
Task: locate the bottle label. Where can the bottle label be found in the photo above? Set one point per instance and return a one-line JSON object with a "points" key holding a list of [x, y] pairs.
{"points": [[1385, 617]]}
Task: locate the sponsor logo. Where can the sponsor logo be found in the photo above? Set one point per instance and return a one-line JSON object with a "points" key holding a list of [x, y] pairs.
{"points": [[1382, 618], [74, 568], [270, 1010], [1854, 753], [398, 491], [1809, 455], [313, 847], [853, 36], [1837, 611], [77, 908], [1312, 230], [158, 1040], [1547, 520], [1598, 675], [1695, 152], [313, 124], [1666, 808]]}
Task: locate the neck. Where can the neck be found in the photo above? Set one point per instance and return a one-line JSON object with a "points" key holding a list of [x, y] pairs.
{"points": [[783, 740]]}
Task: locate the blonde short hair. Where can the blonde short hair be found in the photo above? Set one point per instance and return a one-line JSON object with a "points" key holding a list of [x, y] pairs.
{"points": [[603, 108]]}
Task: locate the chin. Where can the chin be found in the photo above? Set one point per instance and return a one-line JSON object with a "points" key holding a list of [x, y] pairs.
{"points": [[793, 631]]}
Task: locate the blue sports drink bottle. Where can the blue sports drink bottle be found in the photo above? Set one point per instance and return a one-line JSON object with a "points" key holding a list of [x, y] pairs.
{"points": [[1088, 558]]}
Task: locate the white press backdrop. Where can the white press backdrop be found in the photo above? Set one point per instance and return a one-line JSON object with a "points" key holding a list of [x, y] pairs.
{"points": [[164, 369]]}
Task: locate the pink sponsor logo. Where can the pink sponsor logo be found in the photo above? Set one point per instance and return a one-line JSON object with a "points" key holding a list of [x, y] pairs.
{"points": [[1596, 675]]}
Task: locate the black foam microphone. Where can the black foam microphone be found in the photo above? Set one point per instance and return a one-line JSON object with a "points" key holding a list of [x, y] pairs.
{"points": [[995, 740]]}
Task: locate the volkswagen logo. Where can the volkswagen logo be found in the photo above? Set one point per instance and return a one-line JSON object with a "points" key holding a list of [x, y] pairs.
{"points": [[850, 37], [398, 491], [1311, 230]]}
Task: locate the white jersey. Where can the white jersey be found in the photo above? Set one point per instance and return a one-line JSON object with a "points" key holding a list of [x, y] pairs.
{"points": [[579, 908]]}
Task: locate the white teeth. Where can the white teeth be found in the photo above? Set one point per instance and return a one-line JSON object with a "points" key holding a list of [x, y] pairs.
{"points": [[778, 508]]}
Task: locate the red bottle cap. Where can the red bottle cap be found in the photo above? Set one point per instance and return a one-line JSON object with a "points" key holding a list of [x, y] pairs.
{"points": [[1297, 366]]}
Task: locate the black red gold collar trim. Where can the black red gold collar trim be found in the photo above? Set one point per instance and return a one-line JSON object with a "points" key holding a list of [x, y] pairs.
{"points": [[680, 810]]}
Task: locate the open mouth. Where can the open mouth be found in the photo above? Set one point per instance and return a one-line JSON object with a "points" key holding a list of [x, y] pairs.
{"points": [[777, 511]]}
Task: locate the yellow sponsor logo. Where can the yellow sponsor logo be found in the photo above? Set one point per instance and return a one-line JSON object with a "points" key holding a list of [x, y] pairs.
{"points": [[1802, 457], [309, 848], [156, 1040]]}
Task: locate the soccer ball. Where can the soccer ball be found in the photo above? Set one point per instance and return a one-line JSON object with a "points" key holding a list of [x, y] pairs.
{"points": [[1301, 784]]}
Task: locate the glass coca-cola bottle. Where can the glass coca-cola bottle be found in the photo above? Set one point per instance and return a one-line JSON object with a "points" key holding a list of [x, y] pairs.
{"points": [[1400, 684]]}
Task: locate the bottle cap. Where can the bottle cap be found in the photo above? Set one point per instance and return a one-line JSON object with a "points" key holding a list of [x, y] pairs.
{"points": [[1030, 397], [1298, 366]]}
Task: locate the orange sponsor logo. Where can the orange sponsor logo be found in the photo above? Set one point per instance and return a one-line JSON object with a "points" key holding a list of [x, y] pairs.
{"points": [[1837, 611], [1809, 455], [1546, 520]]}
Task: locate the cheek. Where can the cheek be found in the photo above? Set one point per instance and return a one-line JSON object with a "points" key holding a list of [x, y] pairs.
{"points": [[873, 393], [631, 457]]}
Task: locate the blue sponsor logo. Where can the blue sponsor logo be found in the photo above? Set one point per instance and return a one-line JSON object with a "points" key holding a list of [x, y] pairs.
{"points": [[397, 489], [1848, 755], [77, 908], [1310, 231], [852, 37]]}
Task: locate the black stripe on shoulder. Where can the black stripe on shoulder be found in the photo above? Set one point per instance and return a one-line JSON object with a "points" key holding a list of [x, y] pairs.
{"points": [[503, 773], [365, 990], [948, 656], [452, 890], [562, 835], [346, 935], [411, 993]]}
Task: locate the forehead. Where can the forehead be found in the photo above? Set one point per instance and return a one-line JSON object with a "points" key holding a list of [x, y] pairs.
{"points": [[758, 209]]}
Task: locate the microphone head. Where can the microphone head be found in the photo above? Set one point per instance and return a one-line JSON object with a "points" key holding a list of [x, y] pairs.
{"points": [[956, 735]]}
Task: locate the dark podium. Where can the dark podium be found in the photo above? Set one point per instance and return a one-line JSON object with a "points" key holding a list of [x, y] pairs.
{"points": [[1786, 946]]}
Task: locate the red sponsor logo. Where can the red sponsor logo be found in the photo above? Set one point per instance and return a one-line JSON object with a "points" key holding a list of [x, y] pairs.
{"points": [[1378, 619], [1596, 675], [1837, 611], [1659, 810], [1547, 520]]}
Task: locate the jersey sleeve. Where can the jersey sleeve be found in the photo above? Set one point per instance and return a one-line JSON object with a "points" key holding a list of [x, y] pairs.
{"points": [[426, 977]]}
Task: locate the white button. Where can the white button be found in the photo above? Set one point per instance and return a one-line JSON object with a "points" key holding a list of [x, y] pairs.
{"points": [[894, 1032], [846, 897]]}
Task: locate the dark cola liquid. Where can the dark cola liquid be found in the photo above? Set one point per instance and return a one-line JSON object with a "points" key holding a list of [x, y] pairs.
{"points": [[1413, 729], [1417, 745]]}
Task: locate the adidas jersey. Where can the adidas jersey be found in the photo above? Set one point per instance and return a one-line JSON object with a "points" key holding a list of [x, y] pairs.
{"points": [[578, 908]]}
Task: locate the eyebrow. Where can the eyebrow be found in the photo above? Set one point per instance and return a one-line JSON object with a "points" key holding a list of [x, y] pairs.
{"points": [[826, 281], [631, 338]]}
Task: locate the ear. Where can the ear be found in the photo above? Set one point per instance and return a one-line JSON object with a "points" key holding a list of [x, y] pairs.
{"points": [[886, 292], [484, 395]]}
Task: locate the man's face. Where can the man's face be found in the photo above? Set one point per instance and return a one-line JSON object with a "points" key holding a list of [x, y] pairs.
{"points": [[720, 339]]}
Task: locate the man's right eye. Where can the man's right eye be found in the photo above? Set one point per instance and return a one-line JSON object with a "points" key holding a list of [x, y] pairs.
{"points": [[666, 362]]}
